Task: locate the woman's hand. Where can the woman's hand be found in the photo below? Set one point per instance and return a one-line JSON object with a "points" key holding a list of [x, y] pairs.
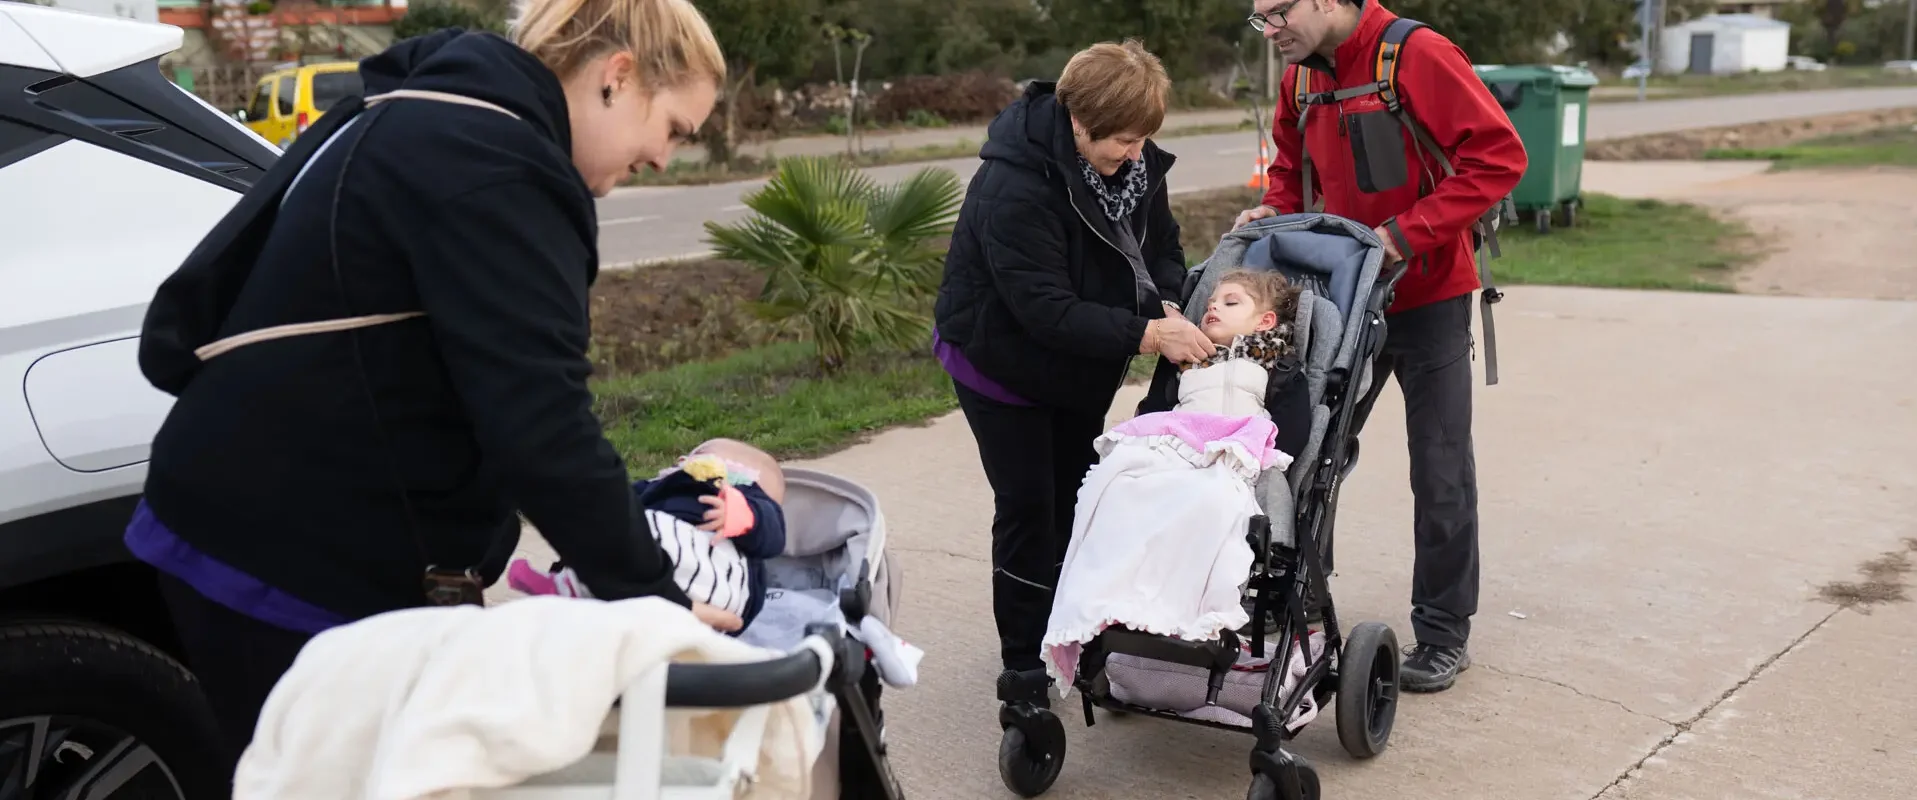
{"points": [[720, 619], [1177, 339]]}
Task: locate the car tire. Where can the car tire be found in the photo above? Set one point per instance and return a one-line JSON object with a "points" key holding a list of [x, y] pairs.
{"points": [[108, 700]]}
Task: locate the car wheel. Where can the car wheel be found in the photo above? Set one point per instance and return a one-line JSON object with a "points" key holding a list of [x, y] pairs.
{"points": [[92, 712]]}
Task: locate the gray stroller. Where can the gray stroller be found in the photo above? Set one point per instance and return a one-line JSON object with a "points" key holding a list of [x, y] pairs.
{"points": [[1320, 403]]}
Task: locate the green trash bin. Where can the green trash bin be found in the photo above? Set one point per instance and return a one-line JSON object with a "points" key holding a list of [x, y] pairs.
{"points": [[1547, 104]]}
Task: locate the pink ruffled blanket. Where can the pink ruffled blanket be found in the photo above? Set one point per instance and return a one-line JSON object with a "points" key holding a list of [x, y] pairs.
{"points": [[1258, 436]]}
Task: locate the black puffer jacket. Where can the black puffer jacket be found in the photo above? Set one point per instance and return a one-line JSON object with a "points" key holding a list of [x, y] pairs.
{"points": [[273, 460], [1036, 293]]}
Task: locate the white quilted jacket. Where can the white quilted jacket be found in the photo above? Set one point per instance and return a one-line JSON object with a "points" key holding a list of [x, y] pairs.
{"points": [[1233, 388]]}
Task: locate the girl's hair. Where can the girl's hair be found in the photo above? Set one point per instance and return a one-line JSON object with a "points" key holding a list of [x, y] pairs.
{"points": [[1115, 88], [1268, 289], [669, 39]]}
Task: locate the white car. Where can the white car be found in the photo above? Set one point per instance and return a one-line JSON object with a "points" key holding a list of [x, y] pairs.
{"points": [[109, 175]]}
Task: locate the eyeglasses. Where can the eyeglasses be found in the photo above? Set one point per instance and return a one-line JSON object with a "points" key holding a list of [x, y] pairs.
{"points": [[1259, 22]]}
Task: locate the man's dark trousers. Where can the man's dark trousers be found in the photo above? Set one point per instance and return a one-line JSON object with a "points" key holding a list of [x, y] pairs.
{"points": [[1429, 349]]}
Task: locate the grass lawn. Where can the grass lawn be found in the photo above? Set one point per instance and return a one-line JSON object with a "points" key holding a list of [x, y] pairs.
{"points": [[772, 396], [1893, 146]]}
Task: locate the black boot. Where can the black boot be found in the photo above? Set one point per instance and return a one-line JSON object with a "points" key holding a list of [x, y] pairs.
{"points": [[1432, 668], [1026, 689]]}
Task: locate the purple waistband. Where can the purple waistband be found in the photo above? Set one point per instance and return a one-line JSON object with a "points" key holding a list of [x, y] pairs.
{"points": [[152, 542], [968, 376]]}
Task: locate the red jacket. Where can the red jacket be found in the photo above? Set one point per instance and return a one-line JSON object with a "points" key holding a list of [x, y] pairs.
{"points": [[1442, 92]]}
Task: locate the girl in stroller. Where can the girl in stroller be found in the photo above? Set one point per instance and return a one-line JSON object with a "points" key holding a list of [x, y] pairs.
{"points": [[1158, 540]]}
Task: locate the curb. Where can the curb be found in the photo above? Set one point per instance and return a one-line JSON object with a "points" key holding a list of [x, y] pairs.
{"points": [[699, 255]]}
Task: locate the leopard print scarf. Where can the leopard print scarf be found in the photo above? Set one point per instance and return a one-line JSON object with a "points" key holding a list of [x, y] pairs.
{"points": [[1116, 203], [1267, 348]]}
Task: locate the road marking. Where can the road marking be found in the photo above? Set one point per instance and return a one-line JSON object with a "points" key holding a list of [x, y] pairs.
{"points": [[1235, 151], [733, 208], [624, 221]]}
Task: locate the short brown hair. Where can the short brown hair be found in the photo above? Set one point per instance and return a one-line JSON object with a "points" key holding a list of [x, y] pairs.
{"points": [[670, 41], [1115, 88], [1268, 289]]}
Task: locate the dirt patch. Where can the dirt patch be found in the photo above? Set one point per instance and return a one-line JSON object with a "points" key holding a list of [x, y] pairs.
{"points": [[1883, 580], [1694, 143], [656, 317], [1823, 232]]}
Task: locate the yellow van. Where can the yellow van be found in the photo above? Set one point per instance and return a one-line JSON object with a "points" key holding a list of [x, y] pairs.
{"points": [[287, 101]]}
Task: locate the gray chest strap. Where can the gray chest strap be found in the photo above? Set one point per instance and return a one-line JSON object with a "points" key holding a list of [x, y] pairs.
{"points": [[208, 351]]}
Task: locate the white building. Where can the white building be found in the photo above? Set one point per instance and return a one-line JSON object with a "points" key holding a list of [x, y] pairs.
{"points": [[1725, 43]]}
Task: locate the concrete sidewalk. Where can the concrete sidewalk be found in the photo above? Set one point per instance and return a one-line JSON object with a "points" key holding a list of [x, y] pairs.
{"points": [[1666, 480]]}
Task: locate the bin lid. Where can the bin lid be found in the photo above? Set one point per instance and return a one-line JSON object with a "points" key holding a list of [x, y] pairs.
{"points": [[1572, 77]]}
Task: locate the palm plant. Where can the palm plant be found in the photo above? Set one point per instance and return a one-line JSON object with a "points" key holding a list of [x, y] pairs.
{"points": [[851, 260]]}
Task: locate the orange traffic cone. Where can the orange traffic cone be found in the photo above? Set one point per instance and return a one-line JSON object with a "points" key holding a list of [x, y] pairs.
{"points": [[1259, 177]]}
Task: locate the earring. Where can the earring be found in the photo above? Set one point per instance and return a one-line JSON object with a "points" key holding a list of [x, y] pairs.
{"points": [[606, 95]]}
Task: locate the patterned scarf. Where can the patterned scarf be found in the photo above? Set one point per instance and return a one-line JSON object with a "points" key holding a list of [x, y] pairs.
{"points": [[1265, 347], [1117, 204]]}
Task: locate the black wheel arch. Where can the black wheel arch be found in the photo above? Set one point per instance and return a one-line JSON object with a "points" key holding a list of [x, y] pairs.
{"points": [[73, 564]]}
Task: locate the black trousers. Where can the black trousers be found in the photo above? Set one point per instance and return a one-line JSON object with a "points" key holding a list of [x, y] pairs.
{"points": [[1035, 459], [1429, 349], [236, 658]]}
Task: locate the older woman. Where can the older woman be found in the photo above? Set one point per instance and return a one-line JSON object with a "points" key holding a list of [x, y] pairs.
{"points": [[1062, 267]]}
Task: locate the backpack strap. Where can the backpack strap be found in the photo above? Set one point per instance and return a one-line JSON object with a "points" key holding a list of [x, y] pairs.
{"points": [[211, 350], [1301, 102], [1485, 229]]}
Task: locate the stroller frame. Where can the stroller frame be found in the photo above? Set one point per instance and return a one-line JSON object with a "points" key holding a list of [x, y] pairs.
{"points": [[1288, 586]]}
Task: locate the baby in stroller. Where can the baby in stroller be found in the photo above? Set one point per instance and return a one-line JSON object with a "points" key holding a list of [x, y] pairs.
{"points": [[718, 514], [1158, 540]]}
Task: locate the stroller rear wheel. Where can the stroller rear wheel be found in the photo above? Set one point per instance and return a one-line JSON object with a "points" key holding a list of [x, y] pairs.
{"points": [[1368, 689], [1032, 753], [1265, 787]]}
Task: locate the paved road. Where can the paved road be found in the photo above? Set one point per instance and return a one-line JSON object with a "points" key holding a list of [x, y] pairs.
{"points": [[649, 223]]}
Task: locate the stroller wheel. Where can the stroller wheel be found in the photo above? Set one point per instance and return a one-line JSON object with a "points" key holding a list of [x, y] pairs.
{"points": [[1265, 787], [1032, 754], [1368, 689]]}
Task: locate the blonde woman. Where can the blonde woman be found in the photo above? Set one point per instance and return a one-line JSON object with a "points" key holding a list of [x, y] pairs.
{"points": [[380, 354], [1064, 262]]}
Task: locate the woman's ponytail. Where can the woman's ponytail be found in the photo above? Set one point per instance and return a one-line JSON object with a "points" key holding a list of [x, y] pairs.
{"points": [[669, 39]]}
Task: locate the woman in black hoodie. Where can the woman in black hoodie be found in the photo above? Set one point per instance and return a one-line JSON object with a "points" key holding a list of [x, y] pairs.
{"points": [[1063, 264], [438, 240]]}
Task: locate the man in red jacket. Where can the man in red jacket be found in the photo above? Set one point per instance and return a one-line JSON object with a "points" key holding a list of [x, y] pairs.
{"points": [[1367, 167]]}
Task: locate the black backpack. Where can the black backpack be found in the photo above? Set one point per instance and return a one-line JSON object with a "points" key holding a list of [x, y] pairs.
{"points": [[1484, 232]]}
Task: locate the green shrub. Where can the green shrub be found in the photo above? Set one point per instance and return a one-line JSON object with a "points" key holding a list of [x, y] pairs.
{"points": [[854, 262], [425, 18]]}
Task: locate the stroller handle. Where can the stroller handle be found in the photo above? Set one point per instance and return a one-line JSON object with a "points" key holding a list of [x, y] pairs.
{"points": [[825, 651]]}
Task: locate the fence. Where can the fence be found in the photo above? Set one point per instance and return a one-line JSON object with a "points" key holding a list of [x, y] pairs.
{"points": [[225, 87]]}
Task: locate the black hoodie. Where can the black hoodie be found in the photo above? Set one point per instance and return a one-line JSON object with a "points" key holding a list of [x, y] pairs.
{"points": [[1036, 293], [285, 459]]}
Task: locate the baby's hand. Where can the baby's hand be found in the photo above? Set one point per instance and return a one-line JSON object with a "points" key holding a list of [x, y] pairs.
{"points": [[715, 513]]}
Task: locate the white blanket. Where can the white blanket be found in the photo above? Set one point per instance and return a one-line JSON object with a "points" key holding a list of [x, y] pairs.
{"points": [[432, 702], [1158, 545]]}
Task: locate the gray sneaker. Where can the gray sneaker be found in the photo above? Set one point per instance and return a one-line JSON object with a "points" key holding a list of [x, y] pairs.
{"points": [[1432, 668]]}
